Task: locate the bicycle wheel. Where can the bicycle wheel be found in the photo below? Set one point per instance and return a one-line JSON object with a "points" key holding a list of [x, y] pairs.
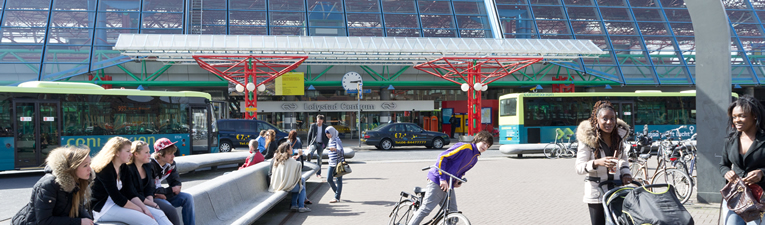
{"points": [[552, 151], [454, 219], [566, 152], [636, 169], [678, 179], [402, 213]]}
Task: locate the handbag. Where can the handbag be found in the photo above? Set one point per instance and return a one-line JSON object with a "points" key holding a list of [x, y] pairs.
{"points": [[742, 199], [342, 169]]}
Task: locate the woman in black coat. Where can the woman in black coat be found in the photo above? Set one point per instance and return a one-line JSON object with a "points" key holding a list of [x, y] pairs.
{"points": [[744, 154], [141, 174], [271, 144], [60, 196]]}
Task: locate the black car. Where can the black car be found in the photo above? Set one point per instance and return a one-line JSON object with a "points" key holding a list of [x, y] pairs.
{"points": [[234, 133], [386, 136]]}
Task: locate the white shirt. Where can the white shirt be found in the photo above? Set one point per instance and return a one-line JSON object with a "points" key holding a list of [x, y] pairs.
{"points": [[108, 205]]}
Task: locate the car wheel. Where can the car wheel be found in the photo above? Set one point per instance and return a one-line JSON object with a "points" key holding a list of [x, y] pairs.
{"points": [[438, 143], [225, 146], [386, 144]]}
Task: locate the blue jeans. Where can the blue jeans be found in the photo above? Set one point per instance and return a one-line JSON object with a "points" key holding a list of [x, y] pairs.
{"points": [[337, 188], [298, 195], [186, 201], [731, 218]]}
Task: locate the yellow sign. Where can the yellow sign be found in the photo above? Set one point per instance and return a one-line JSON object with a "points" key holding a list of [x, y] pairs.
{"points": [[291, 83], [251, 109]]}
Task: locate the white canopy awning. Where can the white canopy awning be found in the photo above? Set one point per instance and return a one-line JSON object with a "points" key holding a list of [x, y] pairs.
{"points": [[348, 50]]}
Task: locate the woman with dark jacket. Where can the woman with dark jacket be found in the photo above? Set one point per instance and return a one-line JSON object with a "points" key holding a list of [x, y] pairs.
{"points": [[61, 196], [114, 199], [743, 156], [601, 155], [271, 144], [143, 183]]}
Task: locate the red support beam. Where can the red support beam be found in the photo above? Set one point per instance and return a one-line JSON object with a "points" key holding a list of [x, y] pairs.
{"points": [[467, 70], [249, 69]]}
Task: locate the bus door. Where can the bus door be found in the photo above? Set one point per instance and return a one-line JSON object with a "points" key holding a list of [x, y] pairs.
{"points": [[625, 111], [38, 130], [200, 128]]}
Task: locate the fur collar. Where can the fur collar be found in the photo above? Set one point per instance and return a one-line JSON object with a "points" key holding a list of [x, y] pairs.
{"points": [[57, 167], [585, 133]]}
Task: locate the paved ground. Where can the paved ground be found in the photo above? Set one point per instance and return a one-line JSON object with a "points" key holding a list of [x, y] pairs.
{"points": [[501, 190]]}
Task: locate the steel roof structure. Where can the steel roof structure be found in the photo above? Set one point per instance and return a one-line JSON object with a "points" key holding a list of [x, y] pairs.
{"points": [[348, 50]]}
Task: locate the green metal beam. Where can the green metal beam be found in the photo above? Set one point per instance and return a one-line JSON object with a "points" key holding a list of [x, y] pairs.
{"points": [[128, 72], [447, 83], [369, 72], [323, 72], [161, 71], [399, 73], [162, 83]]}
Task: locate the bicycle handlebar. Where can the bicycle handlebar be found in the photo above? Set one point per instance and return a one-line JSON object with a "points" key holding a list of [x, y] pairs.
{"points": [[447, 173]]}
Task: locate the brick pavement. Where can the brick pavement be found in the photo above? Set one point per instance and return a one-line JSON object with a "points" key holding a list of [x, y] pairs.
{"points": [[499, 191]]}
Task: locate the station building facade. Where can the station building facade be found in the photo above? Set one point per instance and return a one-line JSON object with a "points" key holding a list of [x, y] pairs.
{"points": [[648, 43]]}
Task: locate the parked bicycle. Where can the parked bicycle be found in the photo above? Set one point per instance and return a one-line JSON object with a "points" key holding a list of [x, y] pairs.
{"points": [[409, 203], [669, 169], [559, 149]]}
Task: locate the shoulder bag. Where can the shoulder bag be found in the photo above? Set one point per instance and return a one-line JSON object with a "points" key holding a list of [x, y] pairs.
{"points": [[342, 167], [743, 199]]}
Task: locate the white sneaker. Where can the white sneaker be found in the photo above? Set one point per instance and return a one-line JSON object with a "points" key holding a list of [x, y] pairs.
{"points": [[294, 208], [304, 210]]}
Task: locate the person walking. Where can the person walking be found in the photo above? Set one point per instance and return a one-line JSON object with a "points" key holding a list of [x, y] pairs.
{"points": [[743, 155], [286, 176], [143, 183], [601, 155], [457, 160], [454, 123], [114, 200], [336, 155], [61, 195], [318, 140]]}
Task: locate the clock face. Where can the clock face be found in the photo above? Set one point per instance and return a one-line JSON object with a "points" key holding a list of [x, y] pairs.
{"points": [[349, 80]]}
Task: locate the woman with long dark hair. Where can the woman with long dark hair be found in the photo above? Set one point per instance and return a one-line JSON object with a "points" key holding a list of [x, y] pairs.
{"points": [[270, 144], [601, 155], [743, 156]]}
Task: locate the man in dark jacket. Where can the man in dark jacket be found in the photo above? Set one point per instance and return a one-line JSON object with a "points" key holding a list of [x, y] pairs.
{"points": [[163, 168], [317, 138], [454, 124]]}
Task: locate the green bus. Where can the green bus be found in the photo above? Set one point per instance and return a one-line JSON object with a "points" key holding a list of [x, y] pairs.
{"points": [[526, 118], [38, 116]]}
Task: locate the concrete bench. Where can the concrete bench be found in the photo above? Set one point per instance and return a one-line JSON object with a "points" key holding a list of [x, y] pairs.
{"points": [[240, 197], [189, 163]]}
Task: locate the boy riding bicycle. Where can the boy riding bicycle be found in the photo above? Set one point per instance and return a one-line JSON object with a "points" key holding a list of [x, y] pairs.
{"points": [[457, 160]]}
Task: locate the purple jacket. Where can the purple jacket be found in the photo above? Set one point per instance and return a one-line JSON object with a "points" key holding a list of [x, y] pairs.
{"points": [[457, 160]]}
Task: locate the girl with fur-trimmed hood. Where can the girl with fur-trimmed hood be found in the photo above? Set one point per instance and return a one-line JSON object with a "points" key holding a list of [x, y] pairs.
{"points": [[61, 196], [601, 145]]}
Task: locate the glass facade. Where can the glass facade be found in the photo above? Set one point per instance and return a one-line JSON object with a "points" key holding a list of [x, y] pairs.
{"points": [[648, 41]]}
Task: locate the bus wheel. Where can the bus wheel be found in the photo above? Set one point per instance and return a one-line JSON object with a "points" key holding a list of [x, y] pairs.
{"points": [[225, 146]]}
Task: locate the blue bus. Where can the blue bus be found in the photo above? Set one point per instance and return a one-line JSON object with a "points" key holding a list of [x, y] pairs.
{"points": [[36, 117]]}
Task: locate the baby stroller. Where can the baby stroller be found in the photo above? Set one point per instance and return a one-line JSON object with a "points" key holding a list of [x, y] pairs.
{"points": [[628, 205]]}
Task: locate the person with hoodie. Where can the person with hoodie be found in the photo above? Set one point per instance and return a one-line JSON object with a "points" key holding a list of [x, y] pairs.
{"points": [[336, 155], [456, 160], [601, 155], [143, 182], [163, 167], [114, 200], [62, 195]]}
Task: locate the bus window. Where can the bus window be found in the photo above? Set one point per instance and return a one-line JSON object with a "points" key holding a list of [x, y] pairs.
{"points": [[507, 107]]}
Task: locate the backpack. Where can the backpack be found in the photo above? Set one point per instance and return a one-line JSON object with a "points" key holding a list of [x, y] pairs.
{"points": [[642, 206]]}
